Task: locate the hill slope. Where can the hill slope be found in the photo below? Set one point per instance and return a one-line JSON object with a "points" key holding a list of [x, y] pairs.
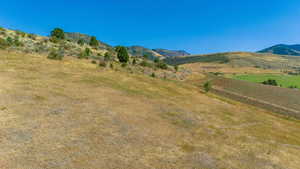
{"points": [[153, 53], [241, 59], [73, 114], [171, 53], [283, 49], [142, 51]]}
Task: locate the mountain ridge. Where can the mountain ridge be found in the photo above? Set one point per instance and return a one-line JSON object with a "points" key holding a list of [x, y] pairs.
{"points": [[283, 49]]}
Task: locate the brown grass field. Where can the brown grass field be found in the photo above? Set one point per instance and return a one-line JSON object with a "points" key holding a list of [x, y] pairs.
{"points": [[73, 114], [279, 96]]}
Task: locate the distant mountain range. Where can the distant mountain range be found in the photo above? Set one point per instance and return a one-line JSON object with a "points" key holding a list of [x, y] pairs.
{"points": [[153, 53], [283, 49], [132, 50]]}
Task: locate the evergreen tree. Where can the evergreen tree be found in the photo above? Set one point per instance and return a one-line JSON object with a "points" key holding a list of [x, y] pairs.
{"points": [[58, 33], [122, 54], [94, 42]]}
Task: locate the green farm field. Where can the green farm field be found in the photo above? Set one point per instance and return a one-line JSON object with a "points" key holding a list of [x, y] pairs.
{"points": [[282, 79]]}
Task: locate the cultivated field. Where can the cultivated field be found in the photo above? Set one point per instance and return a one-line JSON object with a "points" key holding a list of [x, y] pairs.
{"points": [[74, 114], [278, 96], [282, 79]]}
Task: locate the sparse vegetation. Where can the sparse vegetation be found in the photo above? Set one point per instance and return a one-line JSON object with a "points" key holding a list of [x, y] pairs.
{"points": [[32, 36], [85, 53], [3, 43], [102, 64], [80, 42], [207, 86], [56, 54], [20, 33]]}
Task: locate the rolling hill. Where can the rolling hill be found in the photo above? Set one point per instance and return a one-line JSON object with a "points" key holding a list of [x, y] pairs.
{"points": [[171, 53], [74, 114], [241, 59], [283, 49], [153, 53]]}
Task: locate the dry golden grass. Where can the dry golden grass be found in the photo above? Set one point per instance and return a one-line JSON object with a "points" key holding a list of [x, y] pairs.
{"points": [[73, 114]]}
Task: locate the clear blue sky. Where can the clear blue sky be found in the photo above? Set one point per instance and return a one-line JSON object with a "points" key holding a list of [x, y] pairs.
{"points": [[198, 26]]}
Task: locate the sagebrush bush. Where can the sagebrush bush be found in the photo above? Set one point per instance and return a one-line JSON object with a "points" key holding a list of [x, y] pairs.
{"points": [[20, 33], [102, 64], [32, 36], [85, 54], [161, 65], [146, 63], [176, 68], [3, 43], [80, 42], [207, 86], [153, 75], [56, 54]]}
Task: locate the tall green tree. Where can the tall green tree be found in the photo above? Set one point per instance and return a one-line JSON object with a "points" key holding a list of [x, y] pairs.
{"points": [[122, 54], [94, 42], [58, 33]]}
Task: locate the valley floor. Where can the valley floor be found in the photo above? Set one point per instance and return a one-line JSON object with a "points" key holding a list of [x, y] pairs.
{"points": [[73, 114]]}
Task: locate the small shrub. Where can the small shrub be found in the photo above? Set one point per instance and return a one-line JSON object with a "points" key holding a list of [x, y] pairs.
{"points": [[94, 62], [80, 42], [111, 65], [2, 29], [293, 87], [146, 63], [32, 36], [270, 82], [17, 42], [9, 41], [153, 75], [85, 54], [176, 68], [161, 65], [56, 54], [20, 33], [102, 64], [124, 64], [134, 61], [54, 40], [3, 44], [207, 86], [108, 56]]}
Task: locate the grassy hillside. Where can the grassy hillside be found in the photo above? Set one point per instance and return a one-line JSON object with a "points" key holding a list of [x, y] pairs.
{"points": [[242, 59], [74, 114]]}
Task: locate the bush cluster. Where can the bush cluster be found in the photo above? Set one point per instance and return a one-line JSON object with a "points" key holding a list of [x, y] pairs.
{"points": [[3, 43], [56, 54], [85, 54], [270, 82], [20, 33]]}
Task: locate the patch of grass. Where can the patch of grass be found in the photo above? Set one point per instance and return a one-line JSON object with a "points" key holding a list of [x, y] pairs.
{"points": [[283, 80]]}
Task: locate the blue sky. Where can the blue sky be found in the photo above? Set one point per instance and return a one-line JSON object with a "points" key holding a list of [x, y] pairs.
{"points": [[198, 26]]}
